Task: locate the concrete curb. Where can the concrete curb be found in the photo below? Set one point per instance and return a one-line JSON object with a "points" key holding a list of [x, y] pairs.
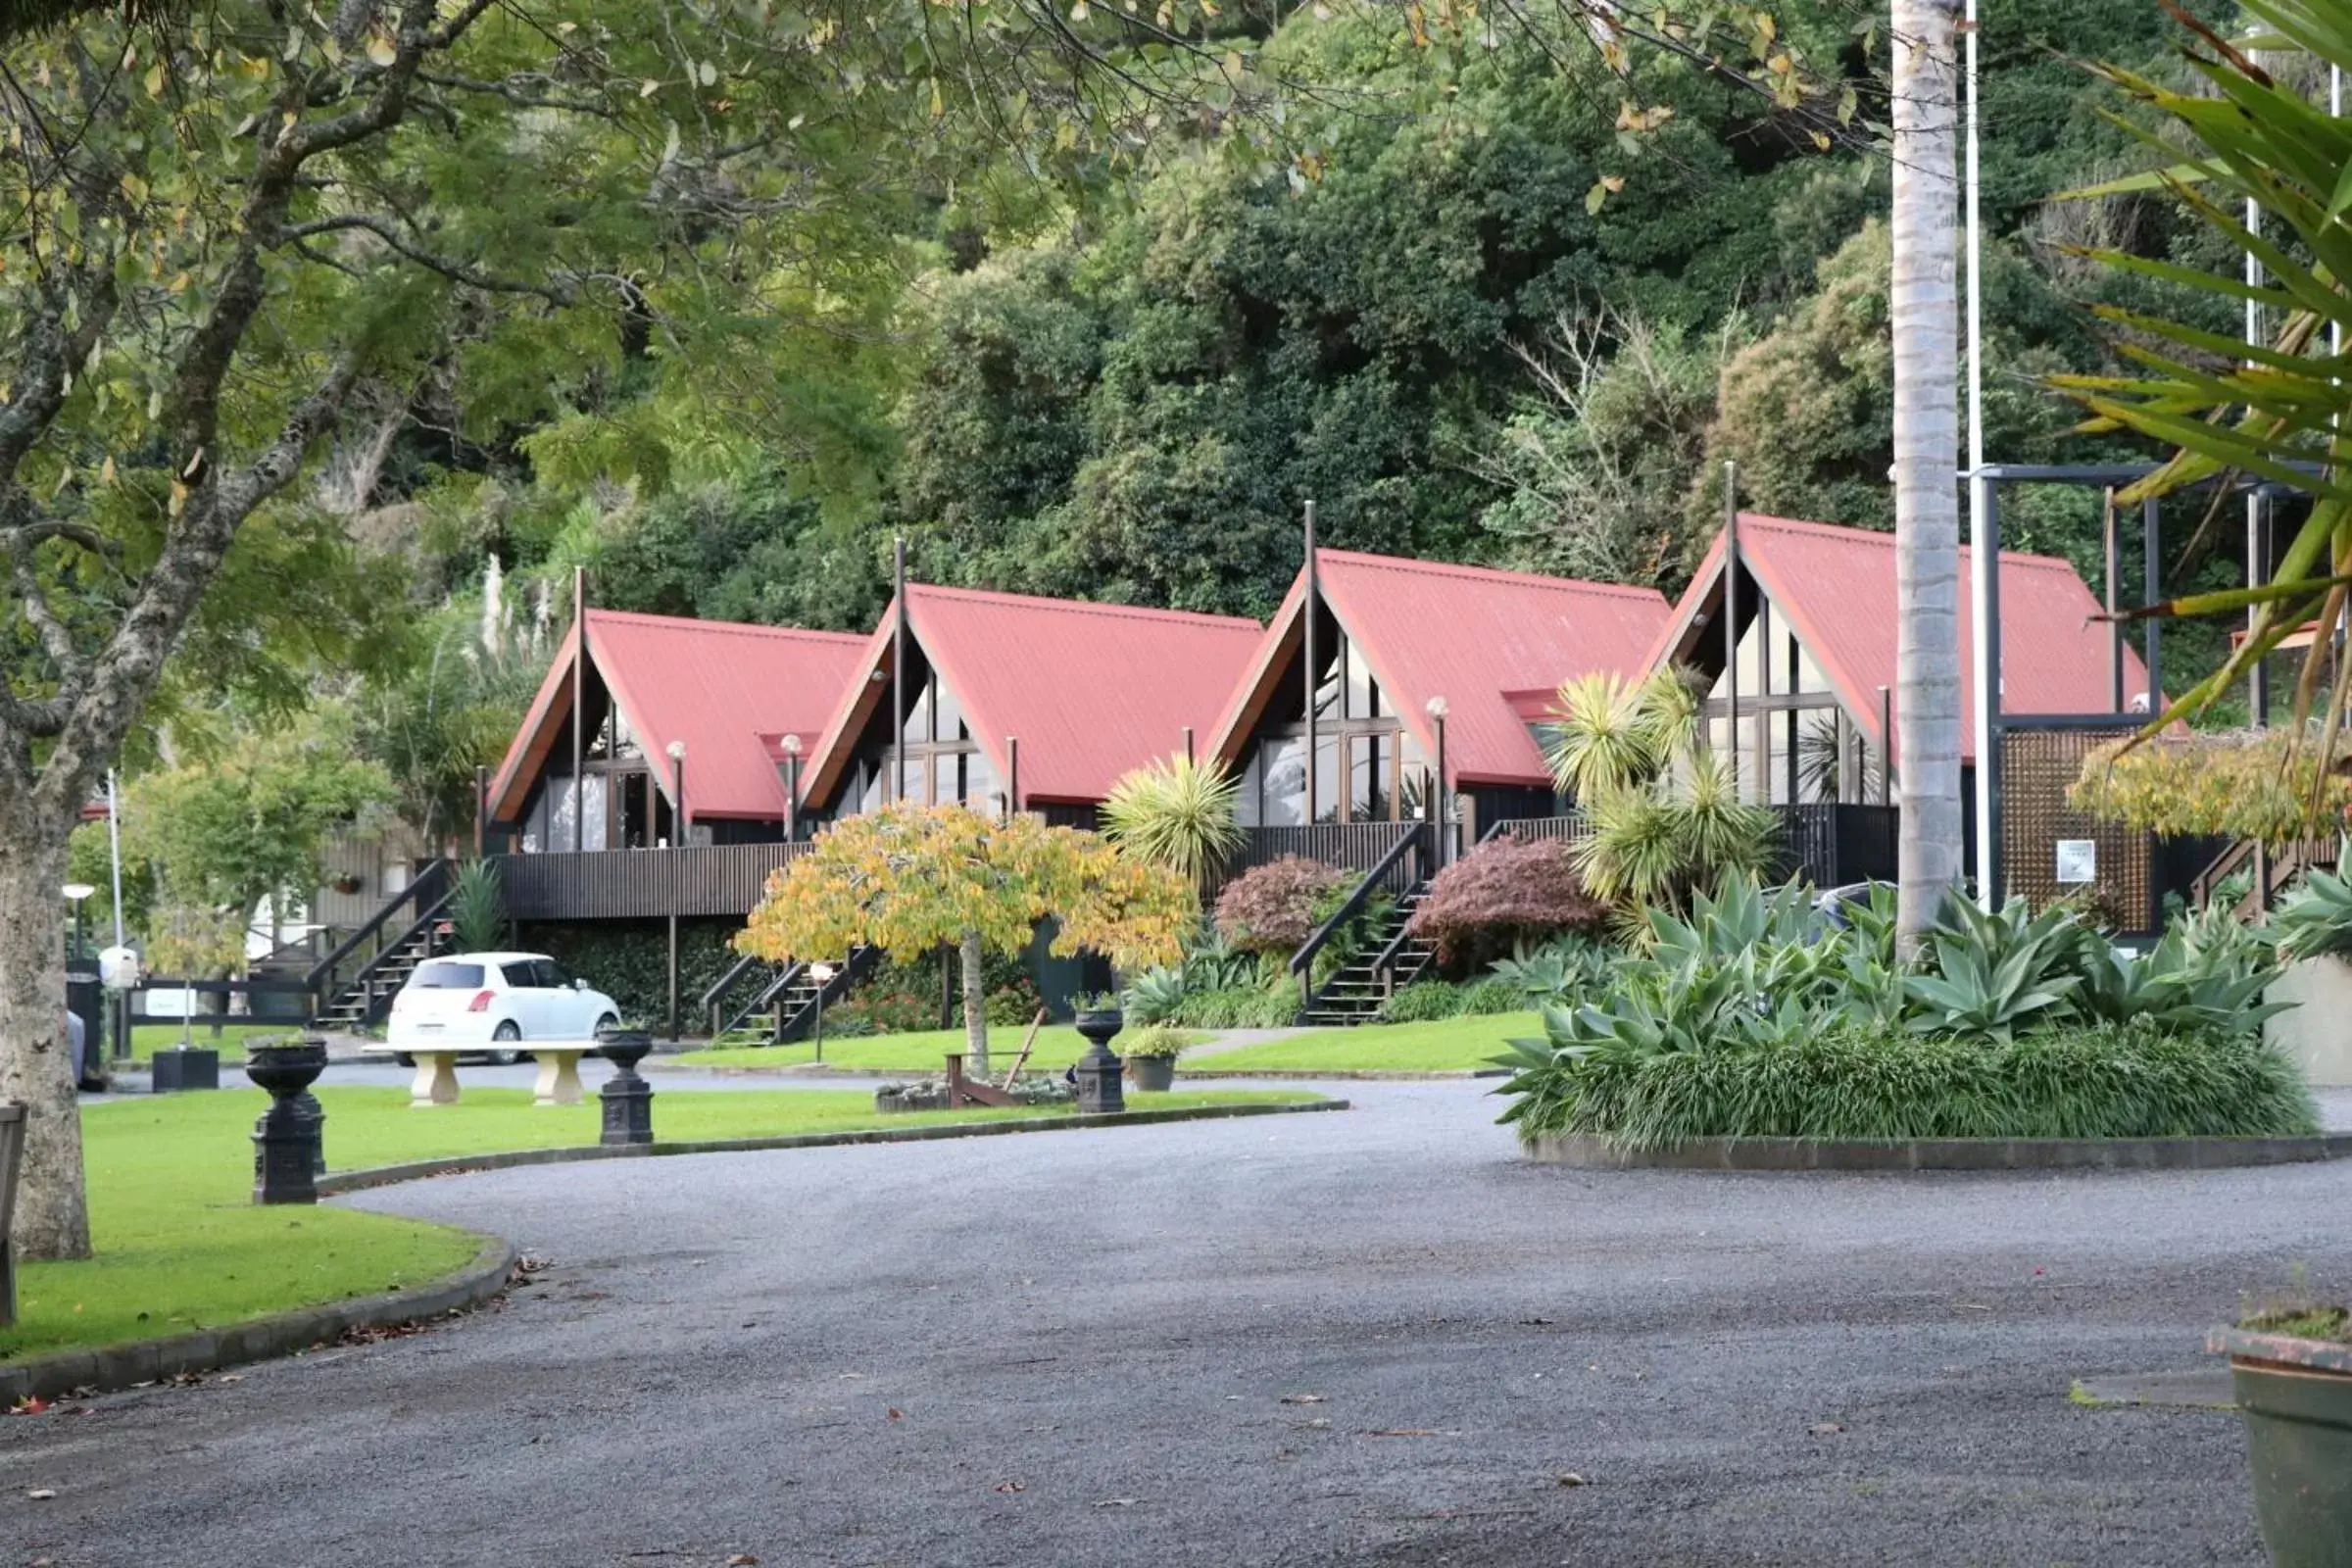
{"points": [[113, 1367], [1581, 1152], [354, 1181], [1200, 1071]]}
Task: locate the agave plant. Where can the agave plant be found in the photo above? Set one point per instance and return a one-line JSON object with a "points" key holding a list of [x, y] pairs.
{"points": [[477, 909], [1178, 814], [1995, 971], [2316, 919]]}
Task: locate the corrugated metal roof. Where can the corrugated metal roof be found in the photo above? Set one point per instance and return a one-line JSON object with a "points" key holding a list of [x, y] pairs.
{"points": [[1835, 587], [1093, 691], [1480, 638], [723, 688]]}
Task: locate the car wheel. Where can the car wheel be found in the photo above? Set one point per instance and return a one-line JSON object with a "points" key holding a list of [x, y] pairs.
{"points": [[510, 1030]]}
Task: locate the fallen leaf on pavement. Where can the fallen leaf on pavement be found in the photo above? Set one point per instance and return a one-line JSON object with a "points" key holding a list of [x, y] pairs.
{"points": [[1569, 1478], [1010, 1486], [893, 1413], [1822, 1429], [743, 1559], [42, 1493], [1303, 1398], [1118, 1502], [1406, 1431]]}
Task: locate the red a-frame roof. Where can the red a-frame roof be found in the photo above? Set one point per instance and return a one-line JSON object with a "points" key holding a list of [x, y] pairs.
{"points": [[1092, 691], [1834, 587], [723, 688], [1484, 639]]}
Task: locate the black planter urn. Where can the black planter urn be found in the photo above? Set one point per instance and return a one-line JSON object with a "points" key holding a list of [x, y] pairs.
{"points": [[628, 1100], [288, 1142], [1098, 1090]]}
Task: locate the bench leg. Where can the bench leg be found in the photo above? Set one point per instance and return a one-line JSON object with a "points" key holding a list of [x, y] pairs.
{"points": [[559, 1079], [436, 1080]]}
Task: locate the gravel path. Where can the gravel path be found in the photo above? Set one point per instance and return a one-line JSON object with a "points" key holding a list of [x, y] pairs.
{"points": [[1372, 1338]]}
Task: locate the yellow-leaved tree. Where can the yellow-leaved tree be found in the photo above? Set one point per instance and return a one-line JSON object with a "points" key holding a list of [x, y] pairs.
{"points": [[907, 879]]}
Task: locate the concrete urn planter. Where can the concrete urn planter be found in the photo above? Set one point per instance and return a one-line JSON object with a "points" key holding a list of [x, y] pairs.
{"points": [[2297, 1395]]}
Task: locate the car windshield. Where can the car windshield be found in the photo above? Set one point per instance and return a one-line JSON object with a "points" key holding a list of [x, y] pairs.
{"points": [[447, 976]]}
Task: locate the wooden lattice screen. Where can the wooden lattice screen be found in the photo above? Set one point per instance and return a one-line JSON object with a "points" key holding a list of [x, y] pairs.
{"points": [[2040, 831]]}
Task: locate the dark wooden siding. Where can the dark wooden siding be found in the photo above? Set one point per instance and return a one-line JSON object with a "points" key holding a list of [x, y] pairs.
{"points": [[640, 884]]}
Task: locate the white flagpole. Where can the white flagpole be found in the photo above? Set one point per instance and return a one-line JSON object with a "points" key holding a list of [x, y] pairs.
{"points": [[1984, 554]]}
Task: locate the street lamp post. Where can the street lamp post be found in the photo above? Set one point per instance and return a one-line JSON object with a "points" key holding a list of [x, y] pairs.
{"points": [[76, 893], [677, 841], [823, 974], [792, 789], [1437, 709]]}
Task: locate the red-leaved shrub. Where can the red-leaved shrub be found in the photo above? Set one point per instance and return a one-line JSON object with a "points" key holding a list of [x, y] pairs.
{"points": [[1500, 892], [1271, 908]]}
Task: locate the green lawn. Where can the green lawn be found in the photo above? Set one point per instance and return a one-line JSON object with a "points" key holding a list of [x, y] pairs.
{"points": [[1447, 1044], [1058, 1046], [146, 1038], [181, 1246]]}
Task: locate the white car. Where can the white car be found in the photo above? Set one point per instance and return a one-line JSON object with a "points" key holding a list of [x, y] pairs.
{"points": [[492, 1003]]}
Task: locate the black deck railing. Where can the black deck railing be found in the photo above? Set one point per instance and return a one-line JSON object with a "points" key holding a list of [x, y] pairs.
{"points": [[1349, 845], [711, 879]]}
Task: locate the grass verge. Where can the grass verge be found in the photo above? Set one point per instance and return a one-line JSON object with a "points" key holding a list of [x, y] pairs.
{"points": [[181, 1245], [1058, 1046], [1445, 1044], [146, 1038]]}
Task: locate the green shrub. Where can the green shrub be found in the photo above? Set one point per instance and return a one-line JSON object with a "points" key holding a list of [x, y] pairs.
{"points": [[629, 960], [1240, 1008], [1274, 907], [1754, 1017], [1155, 1040], [1856, 1079], [1424, 1002], [1427, 1001]]}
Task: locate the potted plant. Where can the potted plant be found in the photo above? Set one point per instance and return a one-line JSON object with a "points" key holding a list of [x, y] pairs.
{"points": [[2292, 1370], [1152, 1054]]}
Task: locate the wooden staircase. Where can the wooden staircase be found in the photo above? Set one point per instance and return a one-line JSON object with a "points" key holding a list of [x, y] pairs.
{"points": [[354, 991], [1357, 990], [2273, 872], [791, 991]]}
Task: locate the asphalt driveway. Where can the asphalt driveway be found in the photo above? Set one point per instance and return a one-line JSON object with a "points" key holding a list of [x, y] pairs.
{"points": [[1366, 1338]]}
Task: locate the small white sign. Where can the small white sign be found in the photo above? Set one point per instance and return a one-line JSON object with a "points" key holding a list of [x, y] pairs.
{"points": [[2078, 862]]}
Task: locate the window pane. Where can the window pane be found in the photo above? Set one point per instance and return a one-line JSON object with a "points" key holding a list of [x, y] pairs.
{"points": [[1362, 702], [1285, 775], [1369, 758], [447, 977], [915, 781], [950, 711], [591, 827], [869, 796], [1327, 680], [1327, 779], [1244, 802], [983, 791], [918, 717]]}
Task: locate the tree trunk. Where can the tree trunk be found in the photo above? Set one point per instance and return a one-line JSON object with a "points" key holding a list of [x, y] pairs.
{"points": [[37, 1055], [975, 1005], [1927, 443]]}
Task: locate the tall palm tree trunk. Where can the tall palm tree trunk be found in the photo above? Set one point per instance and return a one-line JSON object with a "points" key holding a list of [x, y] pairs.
{"points": [[1927, 443]]}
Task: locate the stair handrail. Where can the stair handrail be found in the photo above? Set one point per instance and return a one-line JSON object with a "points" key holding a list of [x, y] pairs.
{"points": [[1386, 959], [707, 1001], [324, 968], [782, 981], [366, 972], [852, 969], [2217, 870], [1304, 961]]}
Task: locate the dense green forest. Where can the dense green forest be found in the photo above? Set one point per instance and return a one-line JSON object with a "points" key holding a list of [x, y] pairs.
{"points": [[1517, 309]]}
